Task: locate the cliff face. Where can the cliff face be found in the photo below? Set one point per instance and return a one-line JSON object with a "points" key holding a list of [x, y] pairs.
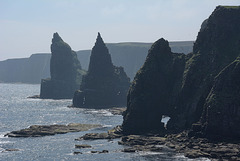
{"points": [[104, 84], [217, 45], [221, 115], [64, 69]]}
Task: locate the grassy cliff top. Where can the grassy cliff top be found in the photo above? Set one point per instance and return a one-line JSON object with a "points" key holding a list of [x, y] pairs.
{"points": [[231, 7]]}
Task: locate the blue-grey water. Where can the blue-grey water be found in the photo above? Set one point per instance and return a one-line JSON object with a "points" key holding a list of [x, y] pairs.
{"points": [[18, 112]]}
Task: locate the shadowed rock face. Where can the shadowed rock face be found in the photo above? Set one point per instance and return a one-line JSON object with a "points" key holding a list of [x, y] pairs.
{"points": [[217, 45], [154, 89], [180, 86], [221, 115], [104, 85], [64, 69]]}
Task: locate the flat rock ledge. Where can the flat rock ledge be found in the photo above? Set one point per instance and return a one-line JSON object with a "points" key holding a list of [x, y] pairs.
{"points": [[34, 97], [45, 130], [117, 110], [191, 147], [111, 134], [113, 110]]}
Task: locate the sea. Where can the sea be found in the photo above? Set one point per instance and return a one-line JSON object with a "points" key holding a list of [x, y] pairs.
{"points": [[19, 112]]}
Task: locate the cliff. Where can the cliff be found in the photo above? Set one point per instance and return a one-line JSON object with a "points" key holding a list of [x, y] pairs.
{"points": [[181, 86], [64, 69], [104, 84], [217, 45], [221, 116], [25, 70]]}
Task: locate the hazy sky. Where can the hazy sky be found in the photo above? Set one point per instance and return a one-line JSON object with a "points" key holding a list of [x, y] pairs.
{"points": [[27, 26]]}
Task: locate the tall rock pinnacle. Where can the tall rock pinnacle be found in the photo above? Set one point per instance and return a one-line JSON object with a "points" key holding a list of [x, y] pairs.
{"points": [[64, 70], [104, 85]]}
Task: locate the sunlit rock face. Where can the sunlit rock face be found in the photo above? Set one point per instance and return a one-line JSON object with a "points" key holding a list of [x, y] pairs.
{"points": [[104, 85], [181, 86], [65, 71]]}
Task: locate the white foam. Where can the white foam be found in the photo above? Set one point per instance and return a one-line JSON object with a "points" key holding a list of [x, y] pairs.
{"points": [[4, 142], [107, 125], [149, 153], [101, 112]]}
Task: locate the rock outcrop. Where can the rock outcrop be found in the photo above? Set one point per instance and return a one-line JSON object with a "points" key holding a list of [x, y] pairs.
{"points": [[104, 85], [45, 130], [186, 87], [65, 70]]}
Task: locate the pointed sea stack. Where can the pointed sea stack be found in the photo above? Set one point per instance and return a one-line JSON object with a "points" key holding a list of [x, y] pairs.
{"points": [[104, 85], [64, 69]]}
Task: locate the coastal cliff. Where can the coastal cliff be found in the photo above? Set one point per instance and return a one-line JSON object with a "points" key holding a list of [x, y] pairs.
{"points": [[65, 70], [104, 85], [185, 87], [221, 116]]}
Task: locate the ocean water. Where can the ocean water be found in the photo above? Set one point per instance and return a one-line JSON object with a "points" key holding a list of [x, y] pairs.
{"points": [[18, 112]]}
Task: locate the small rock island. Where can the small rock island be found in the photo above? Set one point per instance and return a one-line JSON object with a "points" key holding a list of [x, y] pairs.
{"points": [[104, 85], [65, 71]]}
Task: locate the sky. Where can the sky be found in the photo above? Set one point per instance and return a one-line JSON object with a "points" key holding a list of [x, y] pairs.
{"points": [[27, 26]]}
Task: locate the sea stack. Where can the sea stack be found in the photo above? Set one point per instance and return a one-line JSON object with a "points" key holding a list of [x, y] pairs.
{"points": [[154, 90], [65, 71], [203, 85], [104, 85]]}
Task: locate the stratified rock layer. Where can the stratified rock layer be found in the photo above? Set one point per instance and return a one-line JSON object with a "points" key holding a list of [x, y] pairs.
{"points": [[104, 85], [180, 86], [64, 69]]}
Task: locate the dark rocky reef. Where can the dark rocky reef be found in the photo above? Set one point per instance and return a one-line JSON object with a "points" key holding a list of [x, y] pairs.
{"points": [[65, 70], [186, 87], [104, 85], [45, 130]]}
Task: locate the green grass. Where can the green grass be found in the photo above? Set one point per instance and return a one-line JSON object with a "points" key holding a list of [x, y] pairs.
{"points": [[232, 7]]}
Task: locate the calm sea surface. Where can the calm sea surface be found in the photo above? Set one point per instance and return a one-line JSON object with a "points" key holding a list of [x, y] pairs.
{"points": [[18, 112]]}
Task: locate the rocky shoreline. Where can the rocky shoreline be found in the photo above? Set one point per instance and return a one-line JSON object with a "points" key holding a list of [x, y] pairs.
{"points": [[45, 130], [191, 147]]}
